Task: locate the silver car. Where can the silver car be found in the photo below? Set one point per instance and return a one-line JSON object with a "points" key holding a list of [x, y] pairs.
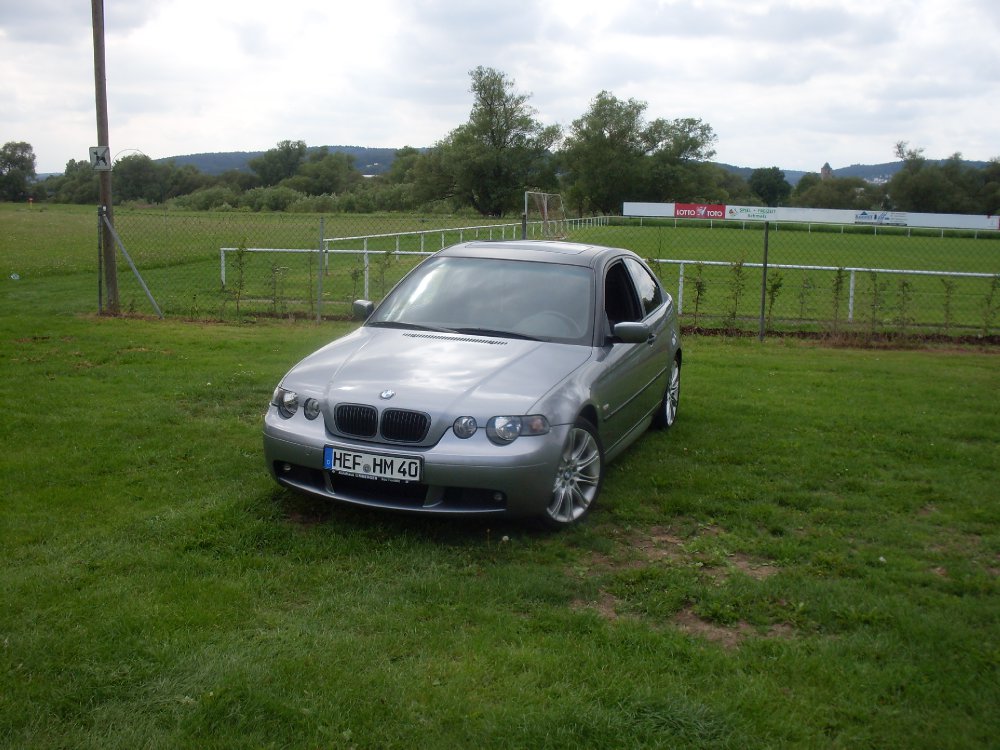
{"points": [[495, 378]]}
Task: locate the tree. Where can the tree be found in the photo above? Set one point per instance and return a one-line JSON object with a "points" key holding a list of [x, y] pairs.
{"points": [[184, 180], [770, 185], [403, 165], [923, 186], [612, 155], [325, 174], [603, 156], [837, 192], [500, 151], [279, 163], [987, 195], [17, 170], [139, 178], [77, 184]]}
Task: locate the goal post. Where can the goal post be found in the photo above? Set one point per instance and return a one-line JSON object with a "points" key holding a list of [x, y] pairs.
{"points": [[544, 215]]}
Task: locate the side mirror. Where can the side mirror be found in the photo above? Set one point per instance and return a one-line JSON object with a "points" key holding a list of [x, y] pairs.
{"points": [[631, 333], [363, 309]]}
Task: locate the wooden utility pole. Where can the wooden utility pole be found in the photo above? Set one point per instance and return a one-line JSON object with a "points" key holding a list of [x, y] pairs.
{"points": [[108, 255]]}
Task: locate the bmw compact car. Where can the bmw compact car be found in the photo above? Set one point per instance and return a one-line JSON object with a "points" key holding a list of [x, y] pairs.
{"points": [[495, 378]]}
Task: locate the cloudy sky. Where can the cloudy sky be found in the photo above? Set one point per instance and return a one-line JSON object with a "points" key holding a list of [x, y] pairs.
{"points": [[789, 83]]}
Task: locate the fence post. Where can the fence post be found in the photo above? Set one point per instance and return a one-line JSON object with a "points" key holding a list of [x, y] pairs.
{"points": [[100, 261], [319, 272], [366, 268], [680, 290], [850, 300], [763, 281]]}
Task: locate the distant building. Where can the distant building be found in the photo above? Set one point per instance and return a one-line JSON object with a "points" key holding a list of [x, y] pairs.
{"points": [[826, 172]]}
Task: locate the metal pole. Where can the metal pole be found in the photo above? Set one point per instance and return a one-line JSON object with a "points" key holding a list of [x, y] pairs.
{"points": [[101, 95], [763, 281], [319, 273], [100, 264]]}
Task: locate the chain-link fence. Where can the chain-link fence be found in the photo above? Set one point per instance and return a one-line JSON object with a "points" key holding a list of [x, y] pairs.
{"points": [[786, 276], [723, 274]]}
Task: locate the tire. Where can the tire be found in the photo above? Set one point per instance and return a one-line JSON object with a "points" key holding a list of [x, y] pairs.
{"points": [[578, 479], [666, 415]]}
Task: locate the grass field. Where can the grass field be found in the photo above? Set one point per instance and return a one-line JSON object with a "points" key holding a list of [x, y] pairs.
{"points": [[809, 559], [178, 254]]}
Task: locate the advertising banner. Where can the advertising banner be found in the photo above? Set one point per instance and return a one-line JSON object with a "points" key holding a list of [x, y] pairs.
{"points": [[699, 211], [811, 215]]}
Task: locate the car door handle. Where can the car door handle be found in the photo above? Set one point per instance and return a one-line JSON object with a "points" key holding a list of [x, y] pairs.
{"points": [[651, 339]]}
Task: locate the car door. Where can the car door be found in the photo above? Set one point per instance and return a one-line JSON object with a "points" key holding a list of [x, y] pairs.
{"points": [[657, 307], [633, 378]]}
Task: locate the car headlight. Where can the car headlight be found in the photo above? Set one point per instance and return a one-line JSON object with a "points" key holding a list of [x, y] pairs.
{"points": [[465, 427], [286, 401], [288, 404], [311, 408], [505, 430]]}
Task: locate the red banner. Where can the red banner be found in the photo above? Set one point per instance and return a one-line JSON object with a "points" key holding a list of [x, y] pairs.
{"points": [[699, 211]]}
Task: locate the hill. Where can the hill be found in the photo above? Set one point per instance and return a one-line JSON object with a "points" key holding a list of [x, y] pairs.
{"points": [[372, 161], [867, 172], [366, 160]]}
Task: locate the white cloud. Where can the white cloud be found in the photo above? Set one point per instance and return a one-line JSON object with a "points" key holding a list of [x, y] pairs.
{"points": [[783, 82]]}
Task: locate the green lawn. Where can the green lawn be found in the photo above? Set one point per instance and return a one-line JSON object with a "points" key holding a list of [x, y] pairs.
{"points": [[809, 559]]}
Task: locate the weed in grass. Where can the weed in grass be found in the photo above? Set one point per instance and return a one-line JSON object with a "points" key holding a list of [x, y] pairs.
{"points": [[991, 304], [737, 285], [278, 274], [904, 296], [236, 289], [837, 288], [774, 284], [700, 286], [805, 294], [877, 291], [382, 265], [949, 298]]}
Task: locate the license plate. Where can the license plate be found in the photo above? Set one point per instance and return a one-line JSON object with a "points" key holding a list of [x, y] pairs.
{"points": [[372, 465]]}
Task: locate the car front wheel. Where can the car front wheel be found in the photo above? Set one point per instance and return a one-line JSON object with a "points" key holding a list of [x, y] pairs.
{"points": [[579, 476]]}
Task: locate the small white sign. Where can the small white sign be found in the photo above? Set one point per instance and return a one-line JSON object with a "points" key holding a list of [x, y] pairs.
{"points": [[100, 158]]}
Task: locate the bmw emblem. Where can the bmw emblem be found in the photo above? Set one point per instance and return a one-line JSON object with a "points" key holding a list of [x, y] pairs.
{"points": [[387, 394]]}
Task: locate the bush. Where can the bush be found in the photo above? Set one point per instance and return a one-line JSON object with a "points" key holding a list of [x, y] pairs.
{"points": [[207, 199]]}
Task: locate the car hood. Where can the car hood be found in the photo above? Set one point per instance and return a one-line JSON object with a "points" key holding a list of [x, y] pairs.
{"points": [[444, 375]]}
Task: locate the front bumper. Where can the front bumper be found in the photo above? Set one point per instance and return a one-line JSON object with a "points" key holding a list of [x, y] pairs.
{"points": [[460, 477]]}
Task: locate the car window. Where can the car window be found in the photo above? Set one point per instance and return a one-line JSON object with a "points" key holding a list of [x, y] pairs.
{"points": [[649, 291], [621, 304], [549, 301]]}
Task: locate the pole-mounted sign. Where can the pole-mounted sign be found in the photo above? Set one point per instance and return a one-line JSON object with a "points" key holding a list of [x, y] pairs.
{"points": [[100, 158]]}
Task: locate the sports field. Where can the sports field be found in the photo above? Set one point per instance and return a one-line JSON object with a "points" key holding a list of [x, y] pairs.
{"points": [[819, 277]]}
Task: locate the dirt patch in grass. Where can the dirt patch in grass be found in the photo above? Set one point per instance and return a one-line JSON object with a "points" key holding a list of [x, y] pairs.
{"points": [[727, 636], [754, 568], [660, 546]]}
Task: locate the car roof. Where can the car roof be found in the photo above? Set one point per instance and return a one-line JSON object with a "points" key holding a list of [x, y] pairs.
{"points": [[542, 251]]}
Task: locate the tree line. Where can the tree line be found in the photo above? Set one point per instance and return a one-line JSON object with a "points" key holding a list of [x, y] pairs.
{"points": [[611, 154]]}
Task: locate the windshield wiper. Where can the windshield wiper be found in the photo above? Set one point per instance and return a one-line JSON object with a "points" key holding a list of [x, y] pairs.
{"points": [[494, 332]]}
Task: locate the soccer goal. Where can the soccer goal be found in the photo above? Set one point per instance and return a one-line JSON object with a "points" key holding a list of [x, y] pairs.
{"points": [[545, 215]]}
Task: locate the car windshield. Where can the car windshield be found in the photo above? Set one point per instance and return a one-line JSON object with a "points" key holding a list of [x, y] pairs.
{"points": [[493, 297]]}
